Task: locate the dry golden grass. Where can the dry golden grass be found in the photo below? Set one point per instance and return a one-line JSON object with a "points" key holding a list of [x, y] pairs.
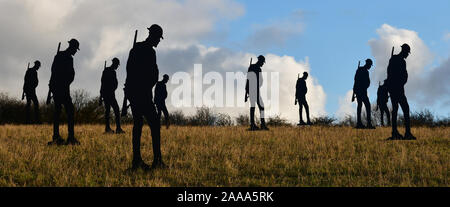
{"points": [[228, 156]]}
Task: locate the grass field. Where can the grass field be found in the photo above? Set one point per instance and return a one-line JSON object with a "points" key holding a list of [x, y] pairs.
{"points": [[228, 156]]}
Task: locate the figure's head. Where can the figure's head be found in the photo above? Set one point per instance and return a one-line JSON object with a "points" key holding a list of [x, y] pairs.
{"points": [[165, 78], [37, 65], [155, 34], [74, 46], [368, 64], [261, 60], [115, 63], [406, 50], [305, 75]]}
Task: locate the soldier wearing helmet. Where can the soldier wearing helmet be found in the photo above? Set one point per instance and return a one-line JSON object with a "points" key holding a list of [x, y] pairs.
{"points": [[362, 82], [252, 90], [160, 99], [29, 88], [107, 92], [397, 76], [142, 75], [62, 75], [300, 97]]}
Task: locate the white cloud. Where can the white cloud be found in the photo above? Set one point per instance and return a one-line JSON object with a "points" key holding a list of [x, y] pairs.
{"points": [[447, 36]]}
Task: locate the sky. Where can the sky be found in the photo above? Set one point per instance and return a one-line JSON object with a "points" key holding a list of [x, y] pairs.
{"points": [[324, 38]]}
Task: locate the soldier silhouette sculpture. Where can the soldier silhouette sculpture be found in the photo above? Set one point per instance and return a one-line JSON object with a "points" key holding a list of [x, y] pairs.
{"points": [[160, 99], [142, 75], [62, 75], [252, 91], [300, 97], [382, 99], [29, 91], [397, 76], [362, 82], [107, 94]]}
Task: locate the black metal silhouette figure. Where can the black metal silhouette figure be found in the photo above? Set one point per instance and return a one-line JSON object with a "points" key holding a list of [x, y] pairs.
{"points": [[160, 99], [300, 97], [252, 91], [142, 75], [362, 82], [107, 93], [382, 99], [397, 76], [29, 91], [62, 76]]}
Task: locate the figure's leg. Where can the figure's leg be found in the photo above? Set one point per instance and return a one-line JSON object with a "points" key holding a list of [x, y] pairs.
{"points": [[381, 114], [261, 113], [107, 115], [56, 115], [358, 113], [300, 112], [305, 104], [155, 127], [368, 112], [388, 115], [166, 115], [37, 114], [405, 108], [116, 109], [28, 110], [395, 134], [137, 131], [70, 110]]}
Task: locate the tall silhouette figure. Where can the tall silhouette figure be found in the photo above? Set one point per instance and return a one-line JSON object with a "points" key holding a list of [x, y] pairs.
{"points": [[362, 82], [62, 75], [252, 91], [29, 91], [382, 99], [160, 99], [107, 93], [300, 97], [397, 76], [142, 75]]}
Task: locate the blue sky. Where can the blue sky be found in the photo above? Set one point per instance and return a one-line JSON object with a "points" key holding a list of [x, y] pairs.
{"points": [[335, 34]]}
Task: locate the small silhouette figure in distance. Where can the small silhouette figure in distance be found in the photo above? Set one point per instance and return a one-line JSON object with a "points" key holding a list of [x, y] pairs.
{"points": [[108, 87], [160, 99], [382, 99], [362, 82], [29, 91], [252, 91], [300, 97]]}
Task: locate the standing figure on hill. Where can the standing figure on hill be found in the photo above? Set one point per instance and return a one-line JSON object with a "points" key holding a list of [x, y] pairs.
{"points": [[142, 75], [362, 82], [397, 76], [252, 91], [382, 99], [107, 93], [300, 97], [62, 76], [29, 90], [160, 99]]}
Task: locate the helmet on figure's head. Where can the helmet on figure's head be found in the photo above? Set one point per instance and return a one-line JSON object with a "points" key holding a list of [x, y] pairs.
{"points": [[74, 43], [369, 62], [37, 63], [116, 61], [261, 59], [406, 48], [156, 31], [165, 76]]}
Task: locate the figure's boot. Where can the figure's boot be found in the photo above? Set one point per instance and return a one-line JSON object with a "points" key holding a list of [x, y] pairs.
{"points": [[253, 126], [263, 124], [108, 129], [118, 127], [395, 136]]}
